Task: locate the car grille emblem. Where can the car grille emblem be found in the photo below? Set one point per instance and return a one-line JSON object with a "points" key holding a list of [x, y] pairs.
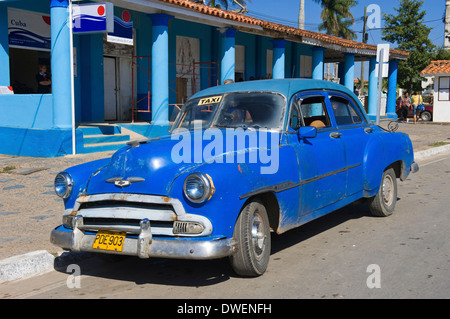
{"points": [[120, 182]]}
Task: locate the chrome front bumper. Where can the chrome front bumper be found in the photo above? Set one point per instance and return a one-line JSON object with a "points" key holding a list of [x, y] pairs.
{"points": [[143, 239], [414, 167], [144, 246]]}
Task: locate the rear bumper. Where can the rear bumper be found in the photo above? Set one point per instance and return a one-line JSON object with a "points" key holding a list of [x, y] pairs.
{"points": [[144, 246]]}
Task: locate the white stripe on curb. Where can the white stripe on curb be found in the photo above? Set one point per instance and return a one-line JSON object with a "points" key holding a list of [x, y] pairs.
{"points": [[26, 265], [430, 152]]}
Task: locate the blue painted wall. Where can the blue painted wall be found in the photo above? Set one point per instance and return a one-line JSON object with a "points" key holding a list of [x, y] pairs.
{"points": [[262, 45], [249, 42], [38, 142], [27, 111], [89, 82]]}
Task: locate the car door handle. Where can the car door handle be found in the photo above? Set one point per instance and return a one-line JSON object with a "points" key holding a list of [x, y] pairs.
{"points": [[368, 130], [335, 135]]}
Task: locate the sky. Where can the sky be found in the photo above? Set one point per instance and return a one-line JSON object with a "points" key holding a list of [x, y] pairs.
{"points": [[286, 12]]}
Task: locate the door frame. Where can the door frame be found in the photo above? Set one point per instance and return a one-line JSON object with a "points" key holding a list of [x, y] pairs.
{"points": [[116, 89], [117, 54]]}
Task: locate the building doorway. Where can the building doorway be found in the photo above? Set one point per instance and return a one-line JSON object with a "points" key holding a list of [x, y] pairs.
{"points": [[118, 89]]}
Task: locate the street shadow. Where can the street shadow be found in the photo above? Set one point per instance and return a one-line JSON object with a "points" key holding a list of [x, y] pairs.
{"points": [[193, 273], [159, 271], [297, 235]]}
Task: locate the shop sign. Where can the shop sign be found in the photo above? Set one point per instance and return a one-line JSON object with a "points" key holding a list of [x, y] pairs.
{"points": [[123, 30], [93, 18], [28, 30]]}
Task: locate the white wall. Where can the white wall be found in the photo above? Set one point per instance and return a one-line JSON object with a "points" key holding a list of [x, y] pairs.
{"points": [[441, 109]]}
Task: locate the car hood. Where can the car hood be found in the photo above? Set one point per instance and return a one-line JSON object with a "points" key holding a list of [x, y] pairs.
{"points": [[151, 167], [147, 166]]}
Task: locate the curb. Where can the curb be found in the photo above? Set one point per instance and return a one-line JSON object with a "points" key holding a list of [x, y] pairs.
{"points": [[40, 261], [26, 265], [431, 152]]}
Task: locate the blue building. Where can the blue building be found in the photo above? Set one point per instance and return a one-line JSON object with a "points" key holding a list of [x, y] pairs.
{"points": [[136, 76]]}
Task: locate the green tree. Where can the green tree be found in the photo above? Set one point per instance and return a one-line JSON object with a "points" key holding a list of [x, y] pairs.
{"points": [[407, 31], [337, 18], [441, 54]]}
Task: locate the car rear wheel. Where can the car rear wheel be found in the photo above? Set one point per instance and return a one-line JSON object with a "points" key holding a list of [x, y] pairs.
{"points": [[252, 236], [383, 204]]}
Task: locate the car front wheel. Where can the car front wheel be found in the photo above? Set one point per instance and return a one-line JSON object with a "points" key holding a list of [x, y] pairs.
{"points": [[252, 235], [383, 204]]}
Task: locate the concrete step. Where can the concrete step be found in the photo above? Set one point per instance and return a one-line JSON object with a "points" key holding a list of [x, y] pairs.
{"points": [[100, 129], [103, 147], [96, 139], [102, 137]]}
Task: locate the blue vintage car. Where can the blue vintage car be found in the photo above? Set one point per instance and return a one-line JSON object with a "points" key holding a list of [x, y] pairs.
{"points": [[242, 160]]}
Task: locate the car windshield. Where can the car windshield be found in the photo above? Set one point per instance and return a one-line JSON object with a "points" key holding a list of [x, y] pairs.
{"points": [[199, 113], [254, 109], [246, 110]]}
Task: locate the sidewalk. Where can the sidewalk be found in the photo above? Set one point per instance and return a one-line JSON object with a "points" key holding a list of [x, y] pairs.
{"points": [[29, 208], [423, 134]]}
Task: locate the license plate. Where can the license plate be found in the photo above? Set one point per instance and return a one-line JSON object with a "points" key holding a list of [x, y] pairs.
{"points": [[107, 240]]}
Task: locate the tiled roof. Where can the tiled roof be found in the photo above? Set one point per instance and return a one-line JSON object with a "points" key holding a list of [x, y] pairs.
{"points": [[282, 30], [437, 67]]}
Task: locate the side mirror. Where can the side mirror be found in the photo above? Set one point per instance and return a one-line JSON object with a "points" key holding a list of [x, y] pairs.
{"points": [[307, 132]]}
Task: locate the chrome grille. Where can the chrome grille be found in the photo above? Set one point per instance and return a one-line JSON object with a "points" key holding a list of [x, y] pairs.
{"points": [[103, 213]]}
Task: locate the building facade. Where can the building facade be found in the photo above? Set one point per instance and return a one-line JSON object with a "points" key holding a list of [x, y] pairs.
{"points": [[140, 72], [439, 71]]}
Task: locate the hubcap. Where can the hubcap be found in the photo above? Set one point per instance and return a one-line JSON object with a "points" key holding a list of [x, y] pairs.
{"points": [[258, 237], [388, 190]]}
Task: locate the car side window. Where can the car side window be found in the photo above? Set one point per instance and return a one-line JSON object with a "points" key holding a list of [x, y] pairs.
{"points": [[344, 111], [313, 112]]}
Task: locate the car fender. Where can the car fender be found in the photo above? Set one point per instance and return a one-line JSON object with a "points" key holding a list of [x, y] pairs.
{"points": [[236, 183], [383, 150], [81, 175]]}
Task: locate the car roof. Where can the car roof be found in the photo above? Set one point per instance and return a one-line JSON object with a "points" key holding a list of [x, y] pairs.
{"points": [[286, 87]]}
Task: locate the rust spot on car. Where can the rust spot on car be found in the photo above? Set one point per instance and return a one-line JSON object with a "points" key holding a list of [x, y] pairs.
{"points": [[166, 199], [239, 168], [213, 188], [83, 198]]}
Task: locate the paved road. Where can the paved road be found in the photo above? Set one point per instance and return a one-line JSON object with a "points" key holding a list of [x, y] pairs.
{"points": [[406, 255]]}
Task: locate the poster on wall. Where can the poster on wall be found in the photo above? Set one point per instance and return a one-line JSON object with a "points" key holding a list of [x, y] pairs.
{"points": [[93, 18], [28, 30], [188, 52], [123, 30]]}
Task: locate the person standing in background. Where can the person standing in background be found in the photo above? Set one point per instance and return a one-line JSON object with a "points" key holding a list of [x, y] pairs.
{"points": [[405, 105], [43, 79], [416, 99]]}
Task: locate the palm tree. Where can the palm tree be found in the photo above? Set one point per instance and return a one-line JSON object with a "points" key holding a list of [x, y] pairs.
{"points": [[337, 18], [222, 3], [344, 30]]}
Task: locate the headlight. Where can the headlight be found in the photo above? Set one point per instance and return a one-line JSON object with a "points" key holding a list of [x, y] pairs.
{"points": [[198, 187], [63, 185]]}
